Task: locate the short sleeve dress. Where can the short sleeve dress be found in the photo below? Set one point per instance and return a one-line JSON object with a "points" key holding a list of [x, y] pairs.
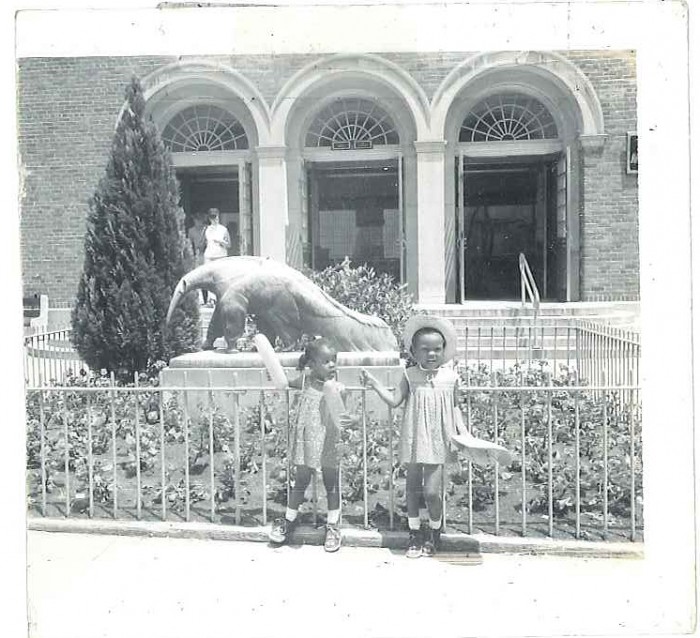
{"points": [[314, 436], [429, 416]]}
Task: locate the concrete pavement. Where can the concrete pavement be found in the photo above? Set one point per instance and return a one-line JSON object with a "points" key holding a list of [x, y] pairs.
{"points": [[92, 586]]}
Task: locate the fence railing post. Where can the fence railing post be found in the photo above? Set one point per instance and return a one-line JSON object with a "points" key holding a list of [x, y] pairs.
{"points": [[614, 411], [263, 450], [163, 499], [186, 436], [550, 458], [523, 464], [115, 482], [212, 484]]}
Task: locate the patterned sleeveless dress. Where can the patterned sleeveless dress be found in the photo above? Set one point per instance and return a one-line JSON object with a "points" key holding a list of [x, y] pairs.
{"points": [[429, 416], [314, 436]]}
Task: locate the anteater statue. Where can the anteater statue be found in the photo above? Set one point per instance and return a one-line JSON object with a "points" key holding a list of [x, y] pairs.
{"points": [[285, 303]]}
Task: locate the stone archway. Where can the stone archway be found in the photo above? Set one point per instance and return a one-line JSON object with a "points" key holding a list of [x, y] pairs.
{"points": [[351, 79], [171, 87], [212, 118], [561, 90]]}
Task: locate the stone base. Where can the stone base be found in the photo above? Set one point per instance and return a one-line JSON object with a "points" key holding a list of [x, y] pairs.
{"points": [[238, 360], [246, 370]]}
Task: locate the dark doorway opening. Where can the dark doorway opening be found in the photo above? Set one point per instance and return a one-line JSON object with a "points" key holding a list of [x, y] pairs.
{"points": [[354, 212], [508, 210], [202, 189]]}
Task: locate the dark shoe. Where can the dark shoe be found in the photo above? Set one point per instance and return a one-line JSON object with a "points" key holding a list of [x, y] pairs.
{"points": [[431, 544], [333, 538], [281, 530], [415, 547]]}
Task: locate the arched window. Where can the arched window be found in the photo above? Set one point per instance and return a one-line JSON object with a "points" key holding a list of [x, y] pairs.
{"points": [[508, 117], [351, 123], [204, 127]]}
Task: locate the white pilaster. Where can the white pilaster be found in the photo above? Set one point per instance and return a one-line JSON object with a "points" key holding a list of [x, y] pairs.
{"points": [[430, 249], [272, 190]]}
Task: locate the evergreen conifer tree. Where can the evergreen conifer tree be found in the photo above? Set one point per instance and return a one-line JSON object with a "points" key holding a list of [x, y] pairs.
{"points": [[135, 253]]}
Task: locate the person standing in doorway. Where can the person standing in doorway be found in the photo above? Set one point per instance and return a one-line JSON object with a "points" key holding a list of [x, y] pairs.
{"points": [[216, 237], [195, 236]]}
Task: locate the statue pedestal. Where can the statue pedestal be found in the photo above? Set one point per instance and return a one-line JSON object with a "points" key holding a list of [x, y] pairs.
{"points": [[246, 370]]}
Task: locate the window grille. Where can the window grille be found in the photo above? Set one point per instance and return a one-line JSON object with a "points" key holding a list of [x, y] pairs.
{"points": [[508, 117], [351, 123], [204, 127]]}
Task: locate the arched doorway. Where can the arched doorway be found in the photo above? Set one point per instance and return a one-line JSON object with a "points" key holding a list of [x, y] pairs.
{"points": [[349, 124], [211, 131], [210, 151], [514, 123], [511, 185], [353, 169]]}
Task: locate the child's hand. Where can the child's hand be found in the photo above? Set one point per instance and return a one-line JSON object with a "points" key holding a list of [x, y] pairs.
{"points": [[368, 379], [349, 420]]}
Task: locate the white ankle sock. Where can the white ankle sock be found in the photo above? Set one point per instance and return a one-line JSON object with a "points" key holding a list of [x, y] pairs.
{"points": [[414, 523], [291, 515], [435, 524], [333, 517]]}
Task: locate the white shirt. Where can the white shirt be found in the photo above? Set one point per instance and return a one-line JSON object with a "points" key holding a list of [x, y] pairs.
{"points": [[218, 241]]}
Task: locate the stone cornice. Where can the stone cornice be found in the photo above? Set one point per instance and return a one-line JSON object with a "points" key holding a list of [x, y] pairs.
{"points": [[271, 152], [430, 146], [593, 144]]}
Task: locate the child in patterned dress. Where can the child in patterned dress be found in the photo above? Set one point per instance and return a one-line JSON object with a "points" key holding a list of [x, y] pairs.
{"points": [[315, 437], [429, 422]]}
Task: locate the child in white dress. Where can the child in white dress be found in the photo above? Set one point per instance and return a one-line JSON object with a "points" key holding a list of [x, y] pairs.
{"points": [[431, 421]]}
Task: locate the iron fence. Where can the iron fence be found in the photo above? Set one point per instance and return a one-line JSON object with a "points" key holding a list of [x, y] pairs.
{"points": [[599, 352], [49, 357], [220, 454]]}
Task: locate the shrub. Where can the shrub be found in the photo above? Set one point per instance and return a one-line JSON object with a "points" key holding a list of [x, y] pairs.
{"points": [[135, 253], [366, 291]]}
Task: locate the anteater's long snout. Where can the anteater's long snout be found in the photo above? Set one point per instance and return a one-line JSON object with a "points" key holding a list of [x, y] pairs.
{"points": [[178, 294]]}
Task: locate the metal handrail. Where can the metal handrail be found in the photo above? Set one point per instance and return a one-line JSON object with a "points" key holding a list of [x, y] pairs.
{"points": [[528, 285]]}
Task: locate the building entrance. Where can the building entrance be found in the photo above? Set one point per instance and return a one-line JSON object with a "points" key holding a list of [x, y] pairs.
{"points": [[505, 210], [355, 211], [203, 188]]}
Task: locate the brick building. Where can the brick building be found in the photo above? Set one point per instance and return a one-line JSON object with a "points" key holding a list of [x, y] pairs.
{"points": [[437, 168]]}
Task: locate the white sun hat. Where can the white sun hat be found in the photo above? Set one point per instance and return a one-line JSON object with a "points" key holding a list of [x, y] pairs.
{"points": [[442, 325]]}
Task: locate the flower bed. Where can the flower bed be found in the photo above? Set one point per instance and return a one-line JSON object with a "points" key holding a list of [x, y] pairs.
{"points": [[520, 419]]}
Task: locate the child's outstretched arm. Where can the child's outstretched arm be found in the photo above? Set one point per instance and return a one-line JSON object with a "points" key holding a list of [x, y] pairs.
{"points": [[394, 400], [297, 383], [269, 357]]}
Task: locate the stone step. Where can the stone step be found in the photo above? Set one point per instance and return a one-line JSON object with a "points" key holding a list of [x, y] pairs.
{"points": [[621, 315], [515, 309]]}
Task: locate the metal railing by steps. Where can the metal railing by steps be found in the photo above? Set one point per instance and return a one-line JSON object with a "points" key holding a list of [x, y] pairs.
{"points": [[596, 350], [528, 287]]}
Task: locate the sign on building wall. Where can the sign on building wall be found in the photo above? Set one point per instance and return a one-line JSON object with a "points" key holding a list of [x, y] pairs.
{"points": [[632, 155]]}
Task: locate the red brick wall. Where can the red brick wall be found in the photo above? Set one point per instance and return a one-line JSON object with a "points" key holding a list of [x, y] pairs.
{"points": [[67, 108], [610, 223], [67, 113]]}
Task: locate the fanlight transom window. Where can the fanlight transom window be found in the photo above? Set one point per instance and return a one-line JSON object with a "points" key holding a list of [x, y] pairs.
{"points": [[204, 127], [351, 123], [508, 117]]}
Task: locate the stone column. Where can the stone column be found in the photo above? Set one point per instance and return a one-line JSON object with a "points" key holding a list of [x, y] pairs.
{"points": [[583, 160], [272, 194], [430, 236]]}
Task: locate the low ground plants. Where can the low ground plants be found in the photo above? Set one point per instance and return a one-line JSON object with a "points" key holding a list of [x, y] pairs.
{"points": [[522, 421]]}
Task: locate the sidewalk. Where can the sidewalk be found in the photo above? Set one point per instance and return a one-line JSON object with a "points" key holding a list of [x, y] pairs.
{"points": [[87, 585]]}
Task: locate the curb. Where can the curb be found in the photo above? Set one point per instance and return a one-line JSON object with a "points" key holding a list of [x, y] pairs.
{"points": [[352, 537]]}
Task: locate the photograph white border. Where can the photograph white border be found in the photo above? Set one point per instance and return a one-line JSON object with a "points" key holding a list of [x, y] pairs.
{"points": [[657, 31]]}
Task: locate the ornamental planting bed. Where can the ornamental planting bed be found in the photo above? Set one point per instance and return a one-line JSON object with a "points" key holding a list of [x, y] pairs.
{"points": [[163, 452]]}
